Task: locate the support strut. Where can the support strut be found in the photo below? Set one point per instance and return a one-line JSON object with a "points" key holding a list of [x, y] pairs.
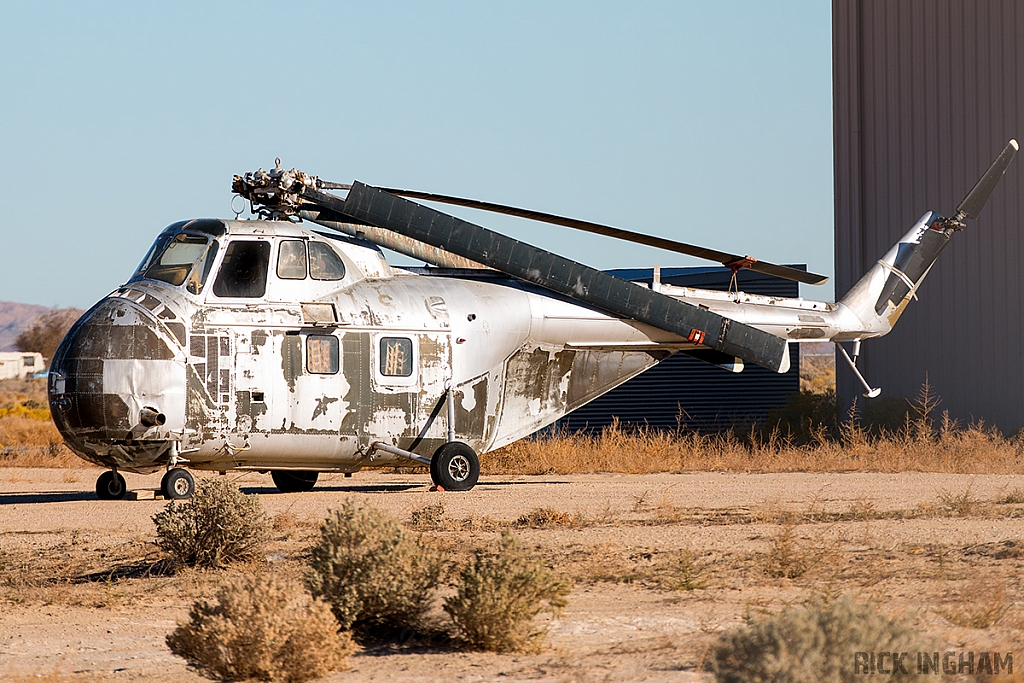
{"points": [[395, 450], [450, 400], [871, 393]]}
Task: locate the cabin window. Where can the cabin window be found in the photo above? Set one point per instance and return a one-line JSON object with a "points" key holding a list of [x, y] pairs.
{"points": [[291, 260], [178, 259], [395, 357], [243, 273], [322, 354], [28, 361], [324, 263]]}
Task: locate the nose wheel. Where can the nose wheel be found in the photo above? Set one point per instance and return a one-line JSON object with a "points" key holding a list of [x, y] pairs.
{"points": [[177, 484], [111, 486]]}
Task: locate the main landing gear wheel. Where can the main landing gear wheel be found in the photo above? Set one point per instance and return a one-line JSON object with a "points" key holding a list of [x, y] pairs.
{"points": [[455, 467], [177, 484], [111, 486], [294, 482]]}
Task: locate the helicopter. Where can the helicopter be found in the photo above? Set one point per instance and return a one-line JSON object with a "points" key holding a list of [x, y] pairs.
{"points": [[288, 344]]}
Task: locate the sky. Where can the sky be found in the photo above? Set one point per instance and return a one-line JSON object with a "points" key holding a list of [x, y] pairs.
{"points": [[704, 122]]}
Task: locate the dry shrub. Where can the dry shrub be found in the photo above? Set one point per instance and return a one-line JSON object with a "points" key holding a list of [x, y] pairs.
{"points": [[815, 643], [545, 518], [262, 627], [428, 517], [220, 524], [500, 593], [963, 504], [1014, 497], [377, 579], [689, 573], [789, 557]]}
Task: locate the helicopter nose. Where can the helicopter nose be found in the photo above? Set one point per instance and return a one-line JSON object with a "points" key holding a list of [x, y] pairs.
{"points": [[117, 378]]}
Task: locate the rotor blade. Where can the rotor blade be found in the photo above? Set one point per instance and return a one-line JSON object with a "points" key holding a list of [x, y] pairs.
{"points": [[558, 274], [975, 200], [731, 260]]}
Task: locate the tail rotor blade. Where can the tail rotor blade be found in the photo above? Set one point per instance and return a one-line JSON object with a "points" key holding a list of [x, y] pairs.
{"points": [[975, 200]]}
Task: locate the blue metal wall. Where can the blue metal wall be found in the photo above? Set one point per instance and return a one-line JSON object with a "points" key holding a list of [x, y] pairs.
{"points": [[683, 392]]}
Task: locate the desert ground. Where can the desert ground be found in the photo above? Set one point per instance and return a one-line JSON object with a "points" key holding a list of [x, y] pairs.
{"points": [[661, 564]]}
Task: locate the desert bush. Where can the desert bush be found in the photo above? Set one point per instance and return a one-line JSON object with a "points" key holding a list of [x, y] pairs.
{"points": [[787, 558], [377, 579], [428, 517], [817, 643], [264, 628], [545, 518], [689, 573], [500, 593], [46, 331], [220, 524]]}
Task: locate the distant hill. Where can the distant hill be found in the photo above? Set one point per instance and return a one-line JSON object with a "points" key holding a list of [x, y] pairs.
{"points": [[14, 318]]}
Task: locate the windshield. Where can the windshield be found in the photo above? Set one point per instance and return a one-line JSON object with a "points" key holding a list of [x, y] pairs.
{"points": [[176, 258]]}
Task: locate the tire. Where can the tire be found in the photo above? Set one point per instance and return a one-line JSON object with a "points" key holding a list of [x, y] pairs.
{"points": [[294, 482], [177, 484], [111, 486], [455, 467]]}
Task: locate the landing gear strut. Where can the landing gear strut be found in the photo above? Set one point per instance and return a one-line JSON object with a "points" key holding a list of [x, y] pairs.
{"points": [[111, 486], [177, 484]]}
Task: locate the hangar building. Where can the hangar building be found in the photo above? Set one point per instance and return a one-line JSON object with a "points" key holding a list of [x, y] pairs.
{"points": [[925, 95]]}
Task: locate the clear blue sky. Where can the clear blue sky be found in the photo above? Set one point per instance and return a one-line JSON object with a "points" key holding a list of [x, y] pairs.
{"points": [[707, 122]]}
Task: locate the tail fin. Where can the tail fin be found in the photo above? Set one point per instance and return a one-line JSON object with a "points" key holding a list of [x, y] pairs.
{"points": [[883, 293]]}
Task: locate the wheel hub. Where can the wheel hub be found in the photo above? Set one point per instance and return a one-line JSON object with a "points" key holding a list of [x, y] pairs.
{"points": [[458, 468]]}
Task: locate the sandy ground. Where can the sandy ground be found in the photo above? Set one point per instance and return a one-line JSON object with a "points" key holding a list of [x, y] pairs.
{"points": [[934, 549]]}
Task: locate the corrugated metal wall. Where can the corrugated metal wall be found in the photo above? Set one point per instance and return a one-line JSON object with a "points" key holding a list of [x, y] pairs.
{"points": [[684, 392], [926, 94]]}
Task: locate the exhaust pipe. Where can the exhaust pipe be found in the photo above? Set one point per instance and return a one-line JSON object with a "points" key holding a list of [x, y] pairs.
{"points": [[151, 417]]}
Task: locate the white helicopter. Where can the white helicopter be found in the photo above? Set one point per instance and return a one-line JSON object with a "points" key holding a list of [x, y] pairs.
{"points": [[266, 345]]}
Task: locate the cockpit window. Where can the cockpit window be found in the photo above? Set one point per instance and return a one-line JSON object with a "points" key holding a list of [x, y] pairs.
{"points": [[291, 260], [199, 275], [177, 260], [324, 263], [243, 272]]}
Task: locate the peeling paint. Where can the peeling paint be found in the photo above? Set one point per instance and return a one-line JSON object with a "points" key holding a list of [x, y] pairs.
{"points": [[321, 406]]}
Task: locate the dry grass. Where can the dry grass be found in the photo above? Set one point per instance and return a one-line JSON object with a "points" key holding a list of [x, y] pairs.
{"points": [[982, 603], [28, 437], [689, 573], [973, 450], [818, 370]]}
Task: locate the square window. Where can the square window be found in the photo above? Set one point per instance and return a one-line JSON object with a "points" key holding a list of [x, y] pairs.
{"points": [[322, 354], [291, 260], [395, 357]]}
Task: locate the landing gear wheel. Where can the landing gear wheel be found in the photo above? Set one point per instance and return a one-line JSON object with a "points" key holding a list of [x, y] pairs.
{"points": [[455, 467], [111, 486], [177, 484], [294, 482]]}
